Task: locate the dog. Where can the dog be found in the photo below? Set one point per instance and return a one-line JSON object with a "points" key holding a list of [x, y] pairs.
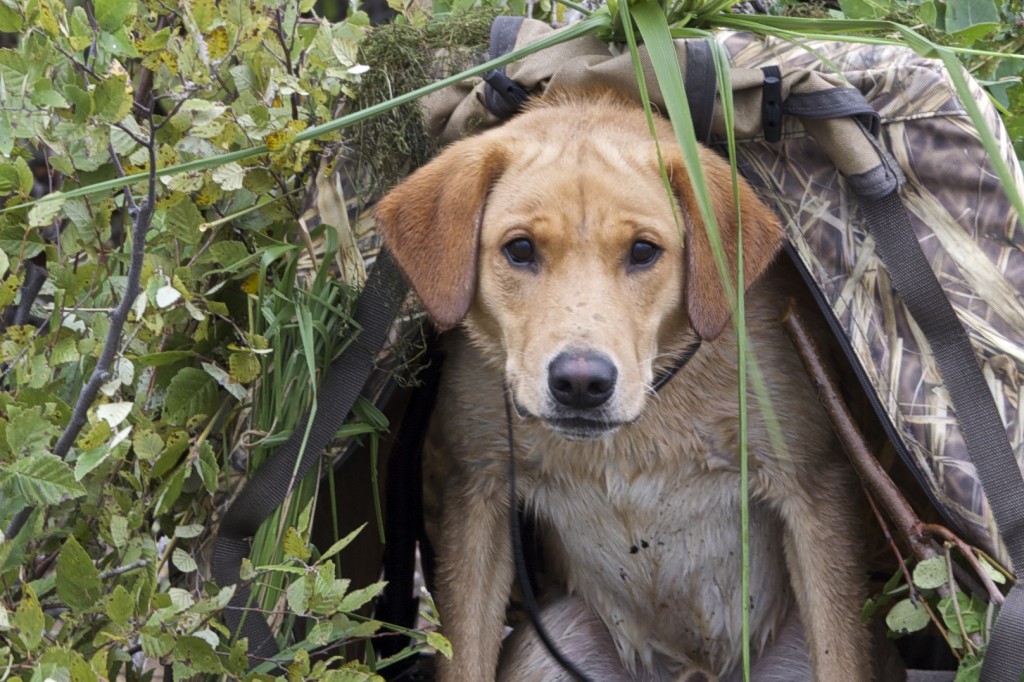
{"points": [[572, 279]]}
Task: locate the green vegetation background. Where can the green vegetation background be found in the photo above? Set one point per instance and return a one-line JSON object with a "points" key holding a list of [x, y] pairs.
{"points": [[137, 393]]}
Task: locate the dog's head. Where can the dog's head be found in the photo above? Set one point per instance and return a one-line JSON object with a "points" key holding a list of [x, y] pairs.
{"points": [[555, 242]]}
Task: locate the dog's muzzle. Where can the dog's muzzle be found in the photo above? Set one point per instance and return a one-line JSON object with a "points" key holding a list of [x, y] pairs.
{"points": [[581, 382]]}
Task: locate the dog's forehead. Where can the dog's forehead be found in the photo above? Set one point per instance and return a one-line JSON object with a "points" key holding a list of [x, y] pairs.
{"points": [[587, 183]]}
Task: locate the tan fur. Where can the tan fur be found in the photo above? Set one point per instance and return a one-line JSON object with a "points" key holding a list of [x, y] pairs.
{"points": [[643, 516]]}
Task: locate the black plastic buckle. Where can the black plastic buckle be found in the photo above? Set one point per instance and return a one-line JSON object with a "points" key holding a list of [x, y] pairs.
{"points": [[771, 104], [509, 95]]}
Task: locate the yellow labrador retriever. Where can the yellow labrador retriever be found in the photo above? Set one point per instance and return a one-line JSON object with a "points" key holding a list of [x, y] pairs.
{"points": [[573, 277]]}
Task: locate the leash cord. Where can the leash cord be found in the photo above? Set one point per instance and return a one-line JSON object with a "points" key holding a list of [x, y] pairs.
{"points": [[532, 609]]}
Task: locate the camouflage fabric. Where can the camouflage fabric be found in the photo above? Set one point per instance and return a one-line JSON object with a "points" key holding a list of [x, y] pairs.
{"points": [[966, 226]]}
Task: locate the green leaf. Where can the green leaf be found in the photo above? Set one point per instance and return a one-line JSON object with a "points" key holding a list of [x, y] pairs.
{"points": [[193, 530], [357, 598], [10, 21], [44, 212], [226, 253], [321, 633], [864, 9], [294, 545], [969, 669], [183, 561], [204, 12], [156, 644], [197, 654], [169, 491], [907, 616], [229, 176], [183, 220], [931, 573], [111, 14], [29, 432], [191, 392], [15, 176], [120, 606], [78, 581], [41, 479], [206, 467], [28, 619], [119, 531], [441, 643], [340, 544], [975, 18], [147, 445], [167, 357], [44, 96], [112, 99], [120, 43], [298, 595], [12, 550], [244, 367], [996, 576], [81, 102], [87, 461]]}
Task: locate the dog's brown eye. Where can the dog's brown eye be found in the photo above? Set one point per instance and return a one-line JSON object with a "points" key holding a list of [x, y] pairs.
{"points": [[642, 254], [519, 252]]}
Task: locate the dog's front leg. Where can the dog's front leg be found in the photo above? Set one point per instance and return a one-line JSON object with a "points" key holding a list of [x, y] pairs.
{"points": [[474, 578], [821, 545]]}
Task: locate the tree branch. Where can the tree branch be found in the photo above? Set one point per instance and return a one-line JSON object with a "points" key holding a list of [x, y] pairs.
{"points": [[142, 219]]}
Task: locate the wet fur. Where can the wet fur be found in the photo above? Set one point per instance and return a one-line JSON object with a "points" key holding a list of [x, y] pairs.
{"points": [[641, 518]]}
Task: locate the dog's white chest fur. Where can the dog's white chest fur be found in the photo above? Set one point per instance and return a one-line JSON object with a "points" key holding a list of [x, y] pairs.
{"points": [[655, 550]]}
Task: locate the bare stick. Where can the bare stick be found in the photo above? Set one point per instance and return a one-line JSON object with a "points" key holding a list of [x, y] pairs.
{"points": [[867, 467]]}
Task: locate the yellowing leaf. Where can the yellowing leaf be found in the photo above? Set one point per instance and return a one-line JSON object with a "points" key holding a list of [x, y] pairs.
{"points": [[204, 12], [28, 618], [217, 42], [279, 140], [441, 643], [244, 367], [295, 546]]}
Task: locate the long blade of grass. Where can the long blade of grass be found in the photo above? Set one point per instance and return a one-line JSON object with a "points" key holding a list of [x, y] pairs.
{"points": [[596, 23], [654, 28], [722, 76]]}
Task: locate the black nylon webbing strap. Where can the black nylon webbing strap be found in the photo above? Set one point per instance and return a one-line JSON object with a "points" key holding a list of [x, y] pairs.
{"points": [[701, 87], [503, 96], [982, 428], [265, 491]]}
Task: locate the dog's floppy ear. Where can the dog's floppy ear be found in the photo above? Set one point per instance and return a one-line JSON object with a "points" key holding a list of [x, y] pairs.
{"points": [[706, 301], [431, 223]]}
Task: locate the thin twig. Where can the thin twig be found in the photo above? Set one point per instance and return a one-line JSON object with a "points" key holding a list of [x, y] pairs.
{"points": [[143, 218], [101, 372], [968, 553], [124, 569]]}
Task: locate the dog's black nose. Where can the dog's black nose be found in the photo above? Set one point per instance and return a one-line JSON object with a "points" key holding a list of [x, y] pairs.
{"points": [[582, 379]]}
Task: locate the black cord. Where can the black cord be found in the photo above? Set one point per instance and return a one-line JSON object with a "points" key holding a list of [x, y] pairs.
{"points": [[520, 559]]}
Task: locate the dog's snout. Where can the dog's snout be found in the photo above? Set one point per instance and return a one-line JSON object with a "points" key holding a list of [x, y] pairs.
{"points": [[582, 379]]}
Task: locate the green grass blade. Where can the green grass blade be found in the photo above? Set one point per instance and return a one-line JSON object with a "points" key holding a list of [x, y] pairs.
{"points": [[654, 28]]}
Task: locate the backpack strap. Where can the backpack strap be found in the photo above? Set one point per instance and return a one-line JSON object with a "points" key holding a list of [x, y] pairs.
{"points": [[503, 96], [701, 87], [982, 428], [267, 489]]}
